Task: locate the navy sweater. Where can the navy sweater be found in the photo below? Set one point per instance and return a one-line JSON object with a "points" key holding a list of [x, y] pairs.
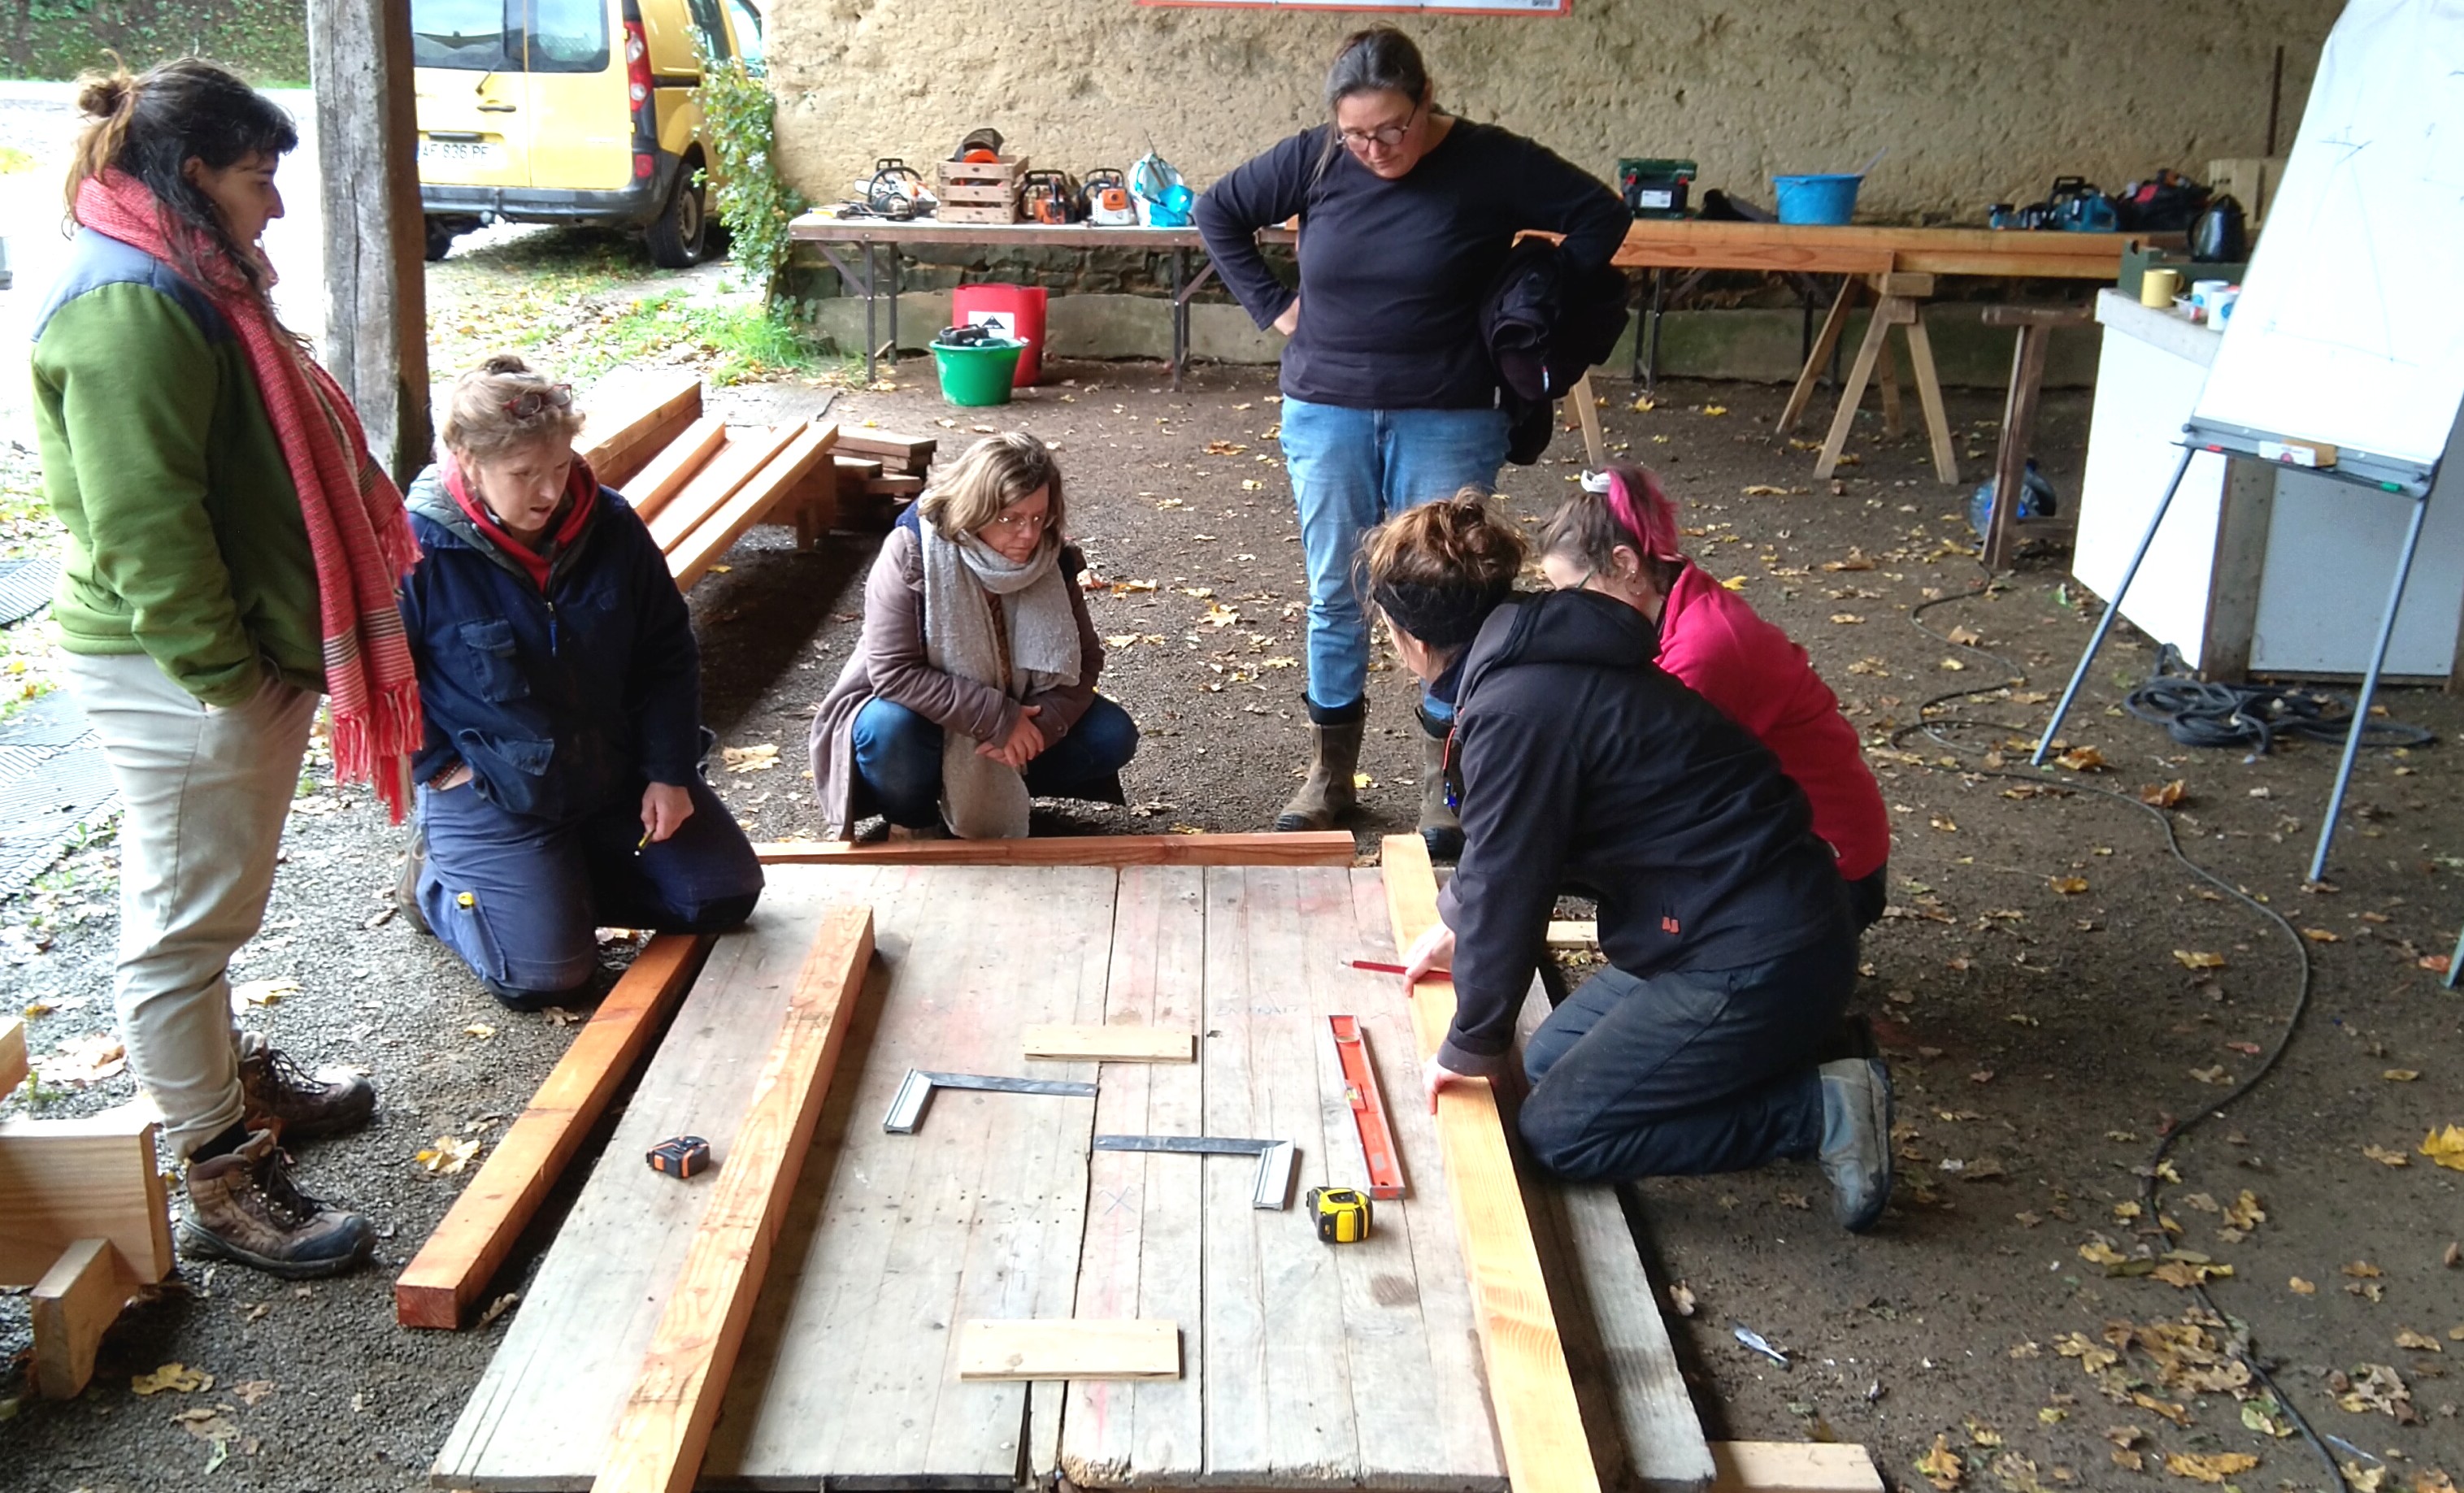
{"points": [[1393, 274], [1585, 763]]}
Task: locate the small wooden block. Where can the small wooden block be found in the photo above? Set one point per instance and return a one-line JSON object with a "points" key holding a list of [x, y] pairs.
{"points": [[1110, 1044], [1794, 1467], [95, 1177], [894, 487], [1573, 935], [1902, 282], [906, 453], [1140, 1349], [74, 1304], [12, 1054]]}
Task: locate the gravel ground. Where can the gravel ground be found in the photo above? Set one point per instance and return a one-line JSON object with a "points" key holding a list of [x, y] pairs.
{"points": [[2028, 988]]}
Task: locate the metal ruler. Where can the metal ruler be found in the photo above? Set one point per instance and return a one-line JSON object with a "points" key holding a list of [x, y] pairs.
{"points": [[907, 1110], [1277, 1159], [1368, 1110]]}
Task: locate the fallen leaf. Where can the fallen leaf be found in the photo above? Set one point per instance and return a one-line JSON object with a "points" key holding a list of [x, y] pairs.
{"points": [[2097, 1252], [1965, 636], [1982, 1435], [2185, 1274], [1362, 780], [1941, 1466], [89, 1060], [261, 993], [2400, 1075], [1766, 490], [1847, 619], [2446, 1147], [2374, 1387], [1223, 449], [480, 1030], [2245, 1213], [2385, 1157], [2162, 796], [751, 759], [1715, 410], [177, 1377], [2081, 760], [1680, 1300], [2418, 1342], [448, 1156], [2266, 1417], [2069, 886], [2321, 935], [2191, 960], [2364, 1270], [2215, 1468], [250, 1391], [2214, 1075], [2093, 1357]]}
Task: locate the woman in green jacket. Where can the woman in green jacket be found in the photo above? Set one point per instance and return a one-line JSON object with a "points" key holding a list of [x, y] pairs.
{"points": [[232, 552]]}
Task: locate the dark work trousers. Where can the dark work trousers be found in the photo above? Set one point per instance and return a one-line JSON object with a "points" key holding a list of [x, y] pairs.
{"points": [[1689, 1072], [898, 761], [1867, 895], [519, 898]]}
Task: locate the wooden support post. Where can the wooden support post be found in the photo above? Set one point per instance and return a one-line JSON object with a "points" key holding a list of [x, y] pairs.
{"points": [[12, 1054], [667, 1422], [1587, 409], [446, 1278], [1828, 338], [376, 269], [75, 1302], [2036, 328], [1307, 847], [1530, 1389]]}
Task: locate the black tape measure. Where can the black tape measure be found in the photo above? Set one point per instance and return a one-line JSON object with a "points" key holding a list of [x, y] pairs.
{"points": [[680, 1155], [1342, 1213]]}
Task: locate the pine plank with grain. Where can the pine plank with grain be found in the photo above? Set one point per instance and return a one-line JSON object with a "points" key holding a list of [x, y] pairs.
{"points": [[751, 504], [94, 1178], [628, 418], [663, 476], [1320, 847], [1069, 1348], [1108, 1042], [748, 449]]}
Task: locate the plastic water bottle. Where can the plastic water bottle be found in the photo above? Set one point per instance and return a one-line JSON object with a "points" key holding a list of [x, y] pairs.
{"points": [[2037, 499]]}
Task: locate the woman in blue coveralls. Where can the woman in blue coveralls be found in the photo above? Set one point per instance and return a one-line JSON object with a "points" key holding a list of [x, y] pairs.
{"points": [[561, 780]]}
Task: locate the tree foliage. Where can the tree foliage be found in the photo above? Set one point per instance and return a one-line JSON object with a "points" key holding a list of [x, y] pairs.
{"points": [[752, 201]]}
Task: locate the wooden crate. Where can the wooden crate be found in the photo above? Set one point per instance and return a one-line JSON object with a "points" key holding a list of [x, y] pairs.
{"points": [[977, 212], [1008, 171]]}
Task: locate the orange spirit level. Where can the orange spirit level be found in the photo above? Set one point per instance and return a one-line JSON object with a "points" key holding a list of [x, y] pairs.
{"points": [[1368, 1110]]}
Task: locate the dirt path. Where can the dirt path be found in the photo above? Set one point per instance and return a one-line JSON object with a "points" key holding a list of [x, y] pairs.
{"points": [[2043, 1032]]}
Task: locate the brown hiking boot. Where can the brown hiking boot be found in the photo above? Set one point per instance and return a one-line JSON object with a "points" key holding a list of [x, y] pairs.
{"points": [[244, 1206], [1328, 793], [283, 1097]]}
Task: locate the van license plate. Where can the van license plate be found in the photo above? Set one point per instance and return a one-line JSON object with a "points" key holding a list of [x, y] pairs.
{"points": [[487, 153]]}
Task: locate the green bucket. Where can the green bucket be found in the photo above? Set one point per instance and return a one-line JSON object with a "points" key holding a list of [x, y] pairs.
{"points": [[978, 375]]}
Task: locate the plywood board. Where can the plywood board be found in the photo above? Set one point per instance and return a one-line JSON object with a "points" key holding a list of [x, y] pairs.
{"points": [[1531, 1388], [1072, 1349], [1108, 1044], [659, 1442], [455, 1265], [1317, 847], [66, 1180]]}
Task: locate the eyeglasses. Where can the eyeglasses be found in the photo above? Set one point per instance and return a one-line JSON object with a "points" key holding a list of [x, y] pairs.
{"points": [[530, 404], [1359, 141], [1014, 523]]}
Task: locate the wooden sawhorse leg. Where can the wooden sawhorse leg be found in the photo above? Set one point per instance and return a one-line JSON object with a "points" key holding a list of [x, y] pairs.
{"points": [[1833, 325], [1899, 305], [2036, 326]]}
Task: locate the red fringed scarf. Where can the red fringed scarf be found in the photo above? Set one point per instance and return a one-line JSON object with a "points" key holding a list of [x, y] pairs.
{"points": [[357, 528], [581, 499]]}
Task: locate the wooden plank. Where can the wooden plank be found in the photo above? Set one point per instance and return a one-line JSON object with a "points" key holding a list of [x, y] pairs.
{"points": [[894, 487], [1886, 369], [1531, 1388], [627, 418], [1794, 1467], [894, 1239], [1587, 412], [74, 1304], [1902, 282], [12, 1054], [1146, 1224], [663, 476], [748, 449], [1326, 848], [659, 1442], [1571, 934], [1069, 1348], [908, 452], [450, 1271], [1863, 249], [541, 1413], [1110, 1043], [858, 469], [375, 341], [808, 448], [66, 1180]]}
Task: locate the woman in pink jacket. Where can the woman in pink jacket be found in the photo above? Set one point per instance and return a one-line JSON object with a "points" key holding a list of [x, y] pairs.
{"points": [[1618, 537]]}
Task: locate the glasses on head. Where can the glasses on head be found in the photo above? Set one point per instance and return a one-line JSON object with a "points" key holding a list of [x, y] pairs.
{"points": [[530, 404], [1022, 523], [1359, 141]]}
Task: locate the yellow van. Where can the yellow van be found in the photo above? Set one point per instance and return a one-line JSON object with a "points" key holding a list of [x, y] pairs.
{"points": [[570, 111]]}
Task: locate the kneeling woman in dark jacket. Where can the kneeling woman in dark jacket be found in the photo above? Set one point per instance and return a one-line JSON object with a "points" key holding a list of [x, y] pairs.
{"points": [[1731, 956], [561, 785]]}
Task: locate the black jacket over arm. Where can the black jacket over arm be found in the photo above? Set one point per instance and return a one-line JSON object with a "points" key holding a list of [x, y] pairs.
{"points": [[1583, 762]]}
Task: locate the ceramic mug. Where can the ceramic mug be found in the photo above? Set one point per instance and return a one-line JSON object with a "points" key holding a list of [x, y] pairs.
{"points": [[2157, 288]]}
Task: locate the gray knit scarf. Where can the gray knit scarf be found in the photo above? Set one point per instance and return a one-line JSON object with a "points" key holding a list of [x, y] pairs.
{"points": [[982, 799]]}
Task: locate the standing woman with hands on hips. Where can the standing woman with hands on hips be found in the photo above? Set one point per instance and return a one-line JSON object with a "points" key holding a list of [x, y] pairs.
{"points": [[1390, 396]]}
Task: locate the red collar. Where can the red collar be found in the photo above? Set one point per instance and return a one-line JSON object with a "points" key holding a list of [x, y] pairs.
{"points": [[580, 501]]}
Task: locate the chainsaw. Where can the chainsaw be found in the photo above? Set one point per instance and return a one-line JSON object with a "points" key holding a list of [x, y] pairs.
{"points": [[1107, 200], [1052, 197]]}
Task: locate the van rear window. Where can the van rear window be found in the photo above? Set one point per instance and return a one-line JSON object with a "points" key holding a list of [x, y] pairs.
{"points": [[510, 35]]}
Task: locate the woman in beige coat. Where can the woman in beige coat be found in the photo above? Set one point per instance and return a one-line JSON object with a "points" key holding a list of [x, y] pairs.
{"points": [[972, 689]]}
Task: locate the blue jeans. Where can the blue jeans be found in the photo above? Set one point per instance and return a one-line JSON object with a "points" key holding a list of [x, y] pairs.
{"points": [[518, 897], [1351, 471], [898, 756], [1689, 1072]]}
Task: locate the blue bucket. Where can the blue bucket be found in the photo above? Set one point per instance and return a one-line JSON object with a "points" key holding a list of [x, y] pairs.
{"points": [[1828, 197]]}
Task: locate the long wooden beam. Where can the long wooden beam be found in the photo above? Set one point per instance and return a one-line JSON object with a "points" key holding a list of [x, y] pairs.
{"points": [[748, 449], [1867, 249], [12, 1054], [1531, 1388], [808, 447], [445, 1279], [663, 476], [1311, 847], [667, 1422]]}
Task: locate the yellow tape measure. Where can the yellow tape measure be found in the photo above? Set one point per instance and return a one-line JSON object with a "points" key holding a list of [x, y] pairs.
{"points": [[1342, 1213]]}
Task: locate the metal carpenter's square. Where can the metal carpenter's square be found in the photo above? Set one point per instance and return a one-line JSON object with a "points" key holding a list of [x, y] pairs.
{"points": [[1276, 1159], [907, 1110]]}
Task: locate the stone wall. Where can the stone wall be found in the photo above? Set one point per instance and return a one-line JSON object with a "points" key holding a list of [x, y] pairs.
{"points": [[1978, 100]]}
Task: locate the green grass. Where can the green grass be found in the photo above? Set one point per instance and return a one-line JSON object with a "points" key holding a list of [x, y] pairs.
{"points": [[735, 344], [14, 160]]}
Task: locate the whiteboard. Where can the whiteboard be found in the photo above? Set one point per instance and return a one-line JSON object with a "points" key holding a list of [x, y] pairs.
{"points": [[2350, 328]]}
